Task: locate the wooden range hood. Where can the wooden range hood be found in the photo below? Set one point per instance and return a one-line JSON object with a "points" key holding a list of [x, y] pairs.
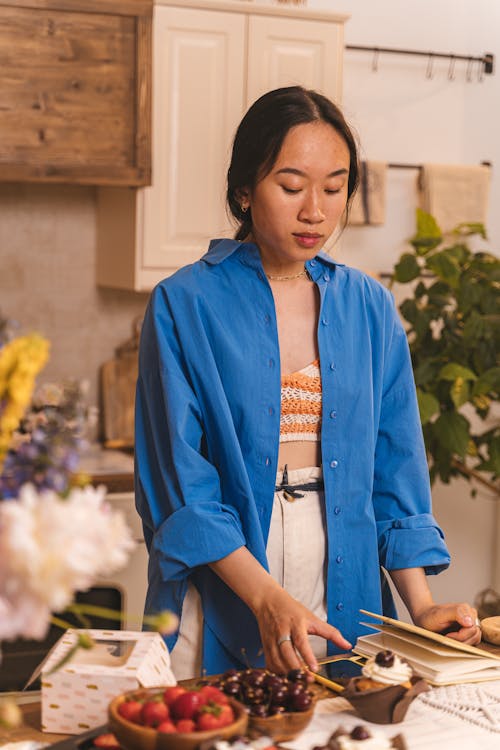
{"points": [[75, 91]]}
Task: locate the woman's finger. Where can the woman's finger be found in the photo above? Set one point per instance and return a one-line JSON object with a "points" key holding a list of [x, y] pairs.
{"points": [[471, 636]]}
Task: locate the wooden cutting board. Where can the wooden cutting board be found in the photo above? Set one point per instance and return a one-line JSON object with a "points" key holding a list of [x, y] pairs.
{"points": [[118, 381]]}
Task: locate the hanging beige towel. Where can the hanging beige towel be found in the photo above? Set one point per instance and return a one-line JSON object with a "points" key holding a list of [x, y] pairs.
{"points": [[455, 193], [368, 206]]}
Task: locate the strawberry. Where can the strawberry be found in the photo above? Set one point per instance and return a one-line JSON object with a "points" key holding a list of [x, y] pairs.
{"points": [[167, 727], [212, 693], [186, 705], [214, 716], [185, 725], [107, 741], [154, 712], [173, 692], [131, 710]]}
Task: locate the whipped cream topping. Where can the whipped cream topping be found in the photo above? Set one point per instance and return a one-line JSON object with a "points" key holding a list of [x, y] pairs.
{"points": [[377, 741], [397, 673]]}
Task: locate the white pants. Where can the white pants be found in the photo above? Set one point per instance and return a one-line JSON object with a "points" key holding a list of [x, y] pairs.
{"points": [[296, 552]]}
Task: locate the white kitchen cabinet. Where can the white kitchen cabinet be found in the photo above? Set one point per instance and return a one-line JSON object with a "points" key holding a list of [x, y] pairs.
{"points": [[211, 60]]}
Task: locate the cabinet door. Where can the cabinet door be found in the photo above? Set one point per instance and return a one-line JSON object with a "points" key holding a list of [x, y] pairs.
{"points": [[198, 98], [290, 51]]}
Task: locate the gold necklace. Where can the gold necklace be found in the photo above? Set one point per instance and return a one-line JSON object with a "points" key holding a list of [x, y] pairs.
{"points": [[287, 278]]}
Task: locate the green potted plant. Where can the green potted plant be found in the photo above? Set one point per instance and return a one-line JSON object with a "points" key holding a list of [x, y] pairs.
{"points": [[453, 318]]}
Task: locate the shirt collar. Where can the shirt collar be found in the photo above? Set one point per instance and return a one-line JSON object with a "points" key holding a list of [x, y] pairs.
{"points": [[220, 249]]}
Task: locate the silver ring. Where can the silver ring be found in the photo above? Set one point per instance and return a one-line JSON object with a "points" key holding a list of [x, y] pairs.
{"points": [[477, 623], [283, 639]]}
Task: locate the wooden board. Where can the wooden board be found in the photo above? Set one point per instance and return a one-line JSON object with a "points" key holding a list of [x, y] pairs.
{"points": [[76, 92], [118, 379]]}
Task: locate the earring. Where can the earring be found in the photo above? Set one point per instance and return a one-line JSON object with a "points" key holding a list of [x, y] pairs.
{"points": [[244, 209]]}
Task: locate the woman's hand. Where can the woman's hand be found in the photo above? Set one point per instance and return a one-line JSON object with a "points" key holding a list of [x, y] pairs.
{"points": [[284, 623], [284, 626], [457, 621]]}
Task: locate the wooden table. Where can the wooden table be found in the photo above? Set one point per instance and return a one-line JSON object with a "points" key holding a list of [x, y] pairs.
{"points": [[425, 727]]}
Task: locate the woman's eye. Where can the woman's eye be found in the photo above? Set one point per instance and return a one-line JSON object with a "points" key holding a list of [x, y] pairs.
{"points": [[291, 191], [331, 191]]}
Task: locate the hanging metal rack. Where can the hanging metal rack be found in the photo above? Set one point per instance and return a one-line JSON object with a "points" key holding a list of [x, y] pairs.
{"points": [[398, 165], [486, 62]]}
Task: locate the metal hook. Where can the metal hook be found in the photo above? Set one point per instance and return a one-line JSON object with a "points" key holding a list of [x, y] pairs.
{"points": [[480, 71], [468, 75], [429, 73], [375, 59], [451, 68]]}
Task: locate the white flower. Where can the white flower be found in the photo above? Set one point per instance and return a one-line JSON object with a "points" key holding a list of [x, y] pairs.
{"points": [[51, 547]]}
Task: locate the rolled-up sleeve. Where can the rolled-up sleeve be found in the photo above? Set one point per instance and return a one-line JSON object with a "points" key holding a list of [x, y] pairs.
{"points": [[408, 534], [178, 492]]}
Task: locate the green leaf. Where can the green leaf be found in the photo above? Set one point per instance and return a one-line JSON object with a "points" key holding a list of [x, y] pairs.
{"points": [[428, 405], [467, 228], [469, 294], [492, 464], [406, 269], [445, 266], [427, 225], [474, 328], [426, 371], [453, 370], [409, 310], [487, 381], [452, 430], [461, 253], [420, 290], [460, 392], [428, 234]]}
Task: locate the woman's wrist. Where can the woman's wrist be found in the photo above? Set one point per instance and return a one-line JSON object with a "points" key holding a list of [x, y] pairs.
{"points": [[243, 573], [412, 586]]}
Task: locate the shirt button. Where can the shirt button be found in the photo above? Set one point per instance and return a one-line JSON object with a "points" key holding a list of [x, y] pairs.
{"points": [[339, 559], [271, 410], [267, 318], [268, 461], [326, 277], [332, 365], [313, 263], [340, 606], [334, 464], [336, 510], [324, 321], [333, 414]]}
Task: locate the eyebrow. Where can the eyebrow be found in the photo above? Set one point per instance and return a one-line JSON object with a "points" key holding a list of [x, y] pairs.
{"points": [[291, 170]]}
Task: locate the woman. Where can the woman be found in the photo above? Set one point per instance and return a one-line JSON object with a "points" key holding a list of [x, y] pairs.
{"points": [[279, 456]]}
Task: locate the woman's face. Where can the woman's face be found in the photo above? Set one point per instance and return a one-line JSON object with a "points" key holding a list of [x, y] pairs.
{"points": [[297, 206]]}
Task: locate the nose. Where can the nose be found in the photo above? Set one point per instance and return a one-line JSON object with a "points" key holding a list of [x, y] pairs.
{"points": [[311, 210]]}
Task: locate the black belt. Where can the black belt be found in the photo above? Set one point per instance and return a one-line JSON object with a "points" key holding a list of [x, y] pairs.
{"points": [[293, 491]]}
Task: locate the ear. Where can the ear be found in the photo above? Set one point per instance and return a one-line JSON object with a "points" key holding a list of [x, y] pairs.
{"points": [[243, 197]]}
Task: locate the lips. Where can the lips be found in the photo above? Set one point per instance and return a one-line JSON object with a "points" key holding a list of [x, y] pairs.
{"points": [[307, 240]]}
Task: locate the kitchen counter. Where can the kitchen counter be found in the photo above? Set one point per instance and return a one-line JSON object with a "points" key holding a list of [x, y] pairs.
{"points": [[113, 468]]}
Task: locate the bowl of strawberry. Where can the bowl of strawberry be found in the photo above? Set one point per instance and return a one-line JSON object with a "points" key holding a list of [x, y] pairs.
{"points": [[175, 718], [279, 706]]}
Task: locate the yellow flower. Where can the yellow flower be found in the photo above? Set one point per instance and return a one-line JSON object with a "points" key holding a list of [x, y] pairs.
{"points": [[20, 362]]}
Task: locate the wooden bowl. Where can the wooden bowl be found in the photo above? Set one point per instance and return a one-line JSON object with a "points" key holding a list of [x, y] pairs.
{"points": [[281, 727], [136, 737]]}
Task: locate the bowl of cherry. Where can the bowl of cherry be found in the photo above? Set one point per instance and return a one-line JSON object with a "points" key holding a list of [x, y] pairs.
{"points": [[279, 706]]}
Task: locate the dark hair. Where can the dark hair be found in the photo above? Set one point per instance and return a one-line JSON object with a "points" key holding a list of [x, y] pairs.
{"points": [[260, 136]]}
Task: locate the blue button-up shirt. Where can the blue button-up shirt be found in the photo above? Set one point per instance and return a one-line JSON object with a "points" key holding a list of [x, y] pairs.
{"points": [[207, 440]]}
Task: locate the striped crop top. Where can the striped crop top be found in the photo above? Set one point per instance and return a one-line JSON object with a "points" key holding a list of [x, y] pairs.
{"points": [[301, 404]]}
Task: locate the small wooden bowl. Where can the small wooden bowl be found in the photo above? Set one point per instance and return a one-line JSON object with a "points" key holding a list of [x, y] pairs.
{"points": [[136, 737], [281, 727]]}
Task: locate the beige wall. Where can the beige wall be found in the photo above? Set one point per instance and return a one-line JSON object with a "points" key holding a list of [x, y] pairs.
{"points": [[47, 279]]}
